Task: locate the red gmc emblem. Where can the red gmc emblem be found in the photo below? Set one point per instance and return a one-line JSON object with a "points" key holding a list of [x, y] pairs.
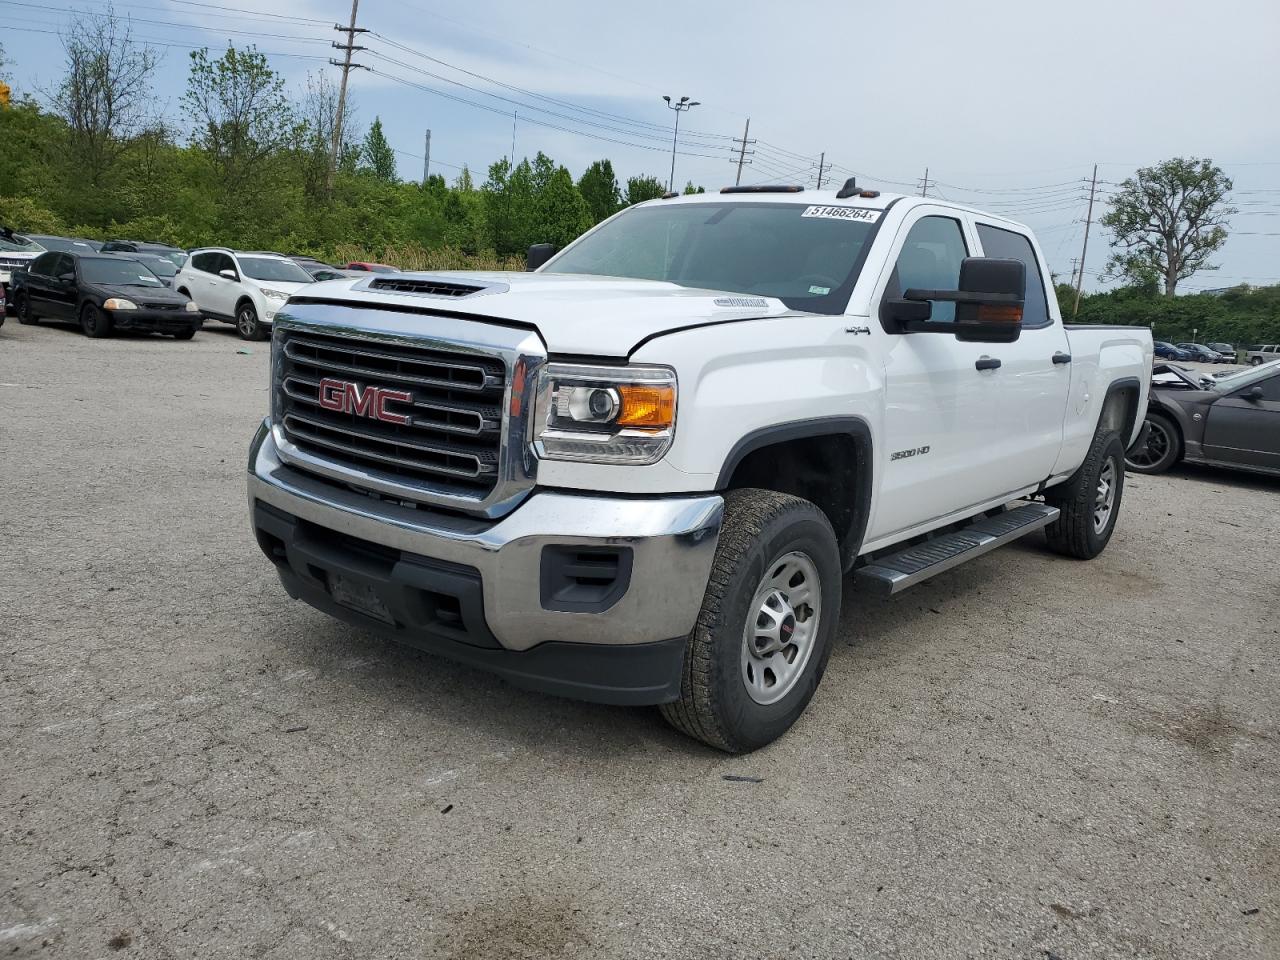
{"points": [[346, 397]]}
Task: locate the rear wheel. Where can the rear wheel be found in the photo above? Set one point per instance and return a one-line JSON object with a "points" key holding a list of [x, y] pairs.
{"points": [[1089, 501], [768, 620], [247, 323], [1161, 451], [94, 322], [1255, 361]]}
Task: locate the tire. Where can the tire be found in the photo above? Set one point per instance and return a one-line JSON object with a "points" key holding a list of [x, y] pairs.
{"points": [[185, 334], [1163, 448], [1077, 532], [1255, 361], [94, 322], [722, 702], [22, 307], [247, 324]]}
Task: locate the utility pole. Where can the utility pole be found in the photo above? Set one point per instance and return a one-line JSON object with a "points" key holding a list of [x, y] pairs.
{"points": [[924, 187], [1084, 250], [426, 159], [515, 115], [349, 48], [743, 152], [1074, 266], [822, 162]]}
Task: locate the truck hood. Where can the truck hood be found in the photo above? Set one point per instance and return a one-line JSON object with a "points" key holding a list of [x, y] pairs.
{"points": [[587, 315]]}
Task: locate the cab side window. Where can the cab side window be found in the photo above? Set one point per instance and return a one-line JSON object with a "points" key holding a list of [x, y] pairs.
{"points": [[42, 266], [930, 260], [64, 265], [1007, 245], [224, 262], [1270, 388], [203, 262]]}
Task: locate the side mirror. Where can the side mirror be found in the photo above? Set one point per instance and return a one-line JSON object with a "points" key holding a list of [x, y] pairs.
{"points": [[229, 274], [539, 254], [988, 304], [68, 277], [1254, 393]]}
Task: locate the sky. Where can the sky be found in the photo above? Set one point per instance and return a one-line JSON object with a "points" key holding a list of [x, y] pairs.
{"points": [[1007, 104]]}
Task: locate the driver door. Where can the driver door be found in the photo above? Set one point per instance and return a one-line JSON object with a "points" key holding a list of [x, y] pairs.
{"points": [[1244, 430], [943, 410]]}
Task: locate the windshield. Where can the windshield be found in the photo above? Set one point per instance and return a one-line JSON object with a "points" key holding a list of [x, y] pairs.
{"points": [[118, 273], [161, 266], [269, 268], [20, 244], [1234, 381], [806, 256], [64, 245]]}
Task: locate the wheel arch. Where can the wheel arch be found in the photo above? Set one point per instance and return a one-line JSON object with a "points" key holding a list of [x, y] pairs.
{"points": [[243, 299], [1120, 407], [827, 461]]}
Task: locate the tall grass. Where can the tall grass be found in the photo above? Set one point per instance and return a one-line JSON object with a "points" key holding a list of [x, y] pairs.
{"points": [[411, 256]]}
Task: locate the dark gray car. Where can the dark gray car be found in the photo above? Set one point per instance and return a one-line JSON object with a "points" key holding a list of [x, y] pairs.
{"points": [[1231, 421]]}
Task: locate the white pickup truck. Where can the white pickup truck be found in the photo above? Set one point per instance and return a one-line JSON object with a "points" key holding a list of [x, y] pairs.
{"points": [[641, 472]]}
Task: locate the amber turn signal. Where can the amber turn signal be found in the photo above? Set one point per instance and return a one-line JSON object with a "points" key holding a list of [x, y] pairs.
{"points": [[648, 406], [999, 313]]}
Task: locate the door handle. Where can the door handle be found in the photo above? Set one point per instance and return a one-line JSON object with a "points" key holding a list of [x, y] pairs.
{"points": [[987, 363], [1060, 357]]}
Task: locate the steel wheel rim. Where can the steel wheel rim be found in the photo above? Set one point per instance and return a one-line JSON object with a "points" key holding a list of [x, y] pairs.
{"points": [[1105, 498], [782, 627], [246, 322], [1155, 449]]}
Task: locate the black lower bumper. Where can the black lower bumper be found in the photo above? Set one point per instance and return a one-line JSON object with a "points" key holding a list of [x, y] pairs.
{"points": [[156, 321], [439, 608]]}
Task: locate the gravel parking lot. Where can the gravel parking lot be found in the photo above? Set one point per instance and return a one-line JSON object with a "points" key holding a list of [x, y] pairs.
{"points": [[1026, 757]]}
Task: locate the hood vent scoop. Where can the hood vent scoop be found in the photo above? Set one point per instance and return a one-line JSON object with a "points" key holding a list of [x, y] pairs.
{"points": [[432, 288]]}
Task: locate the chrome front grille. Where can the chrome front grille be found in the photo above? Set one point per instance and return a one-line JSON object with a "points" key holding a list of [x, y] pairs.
{"points": [[441, 428]]}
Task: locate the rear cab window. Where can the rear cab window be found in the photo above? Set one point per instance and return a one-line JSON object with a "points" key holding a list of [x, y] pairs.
{"points": [[1006, 244]]}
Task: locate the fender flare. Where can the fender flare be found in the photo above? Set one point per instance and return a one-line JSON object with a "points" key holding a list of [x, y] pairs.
{"points": [[855, 427]]}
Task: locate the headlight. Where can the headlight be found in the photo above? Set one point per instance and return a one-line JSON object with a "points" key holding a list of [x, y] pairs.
{"points": [[274, 294], [119, 303], [605, 414], [191, 307]]}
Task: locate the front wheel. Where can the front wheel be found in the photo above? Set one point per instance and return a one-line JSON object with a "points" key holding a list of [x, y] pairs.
{"points": [[22, 307], [1089, 501], [94, 322], [186, 334], [767, 624], [247, 323], [1161, 451]]}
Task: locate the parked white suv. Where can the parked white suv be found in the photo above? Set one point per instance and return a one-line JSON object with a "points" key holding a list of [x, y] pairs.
{"points": [[244, 288]]}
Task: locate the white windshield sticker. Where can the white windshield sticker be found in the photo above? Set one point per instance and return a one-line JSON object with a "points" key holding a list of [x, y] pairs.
{"points": [[820, 291], [857, 214]]}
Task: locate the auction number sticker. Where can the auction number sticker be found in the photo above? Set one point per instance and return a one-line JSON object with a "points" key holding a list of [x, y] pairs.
{"points": [[856, 214]]}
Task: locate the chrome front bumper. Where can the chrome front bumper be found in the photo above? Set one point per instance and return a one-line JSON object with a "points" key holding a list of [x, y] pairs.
{"points": [[672, 542]]}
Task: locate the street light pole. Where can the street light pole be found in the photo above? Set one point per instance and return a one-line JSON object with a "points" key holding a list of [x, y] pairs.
{"points": [[681, 105]]}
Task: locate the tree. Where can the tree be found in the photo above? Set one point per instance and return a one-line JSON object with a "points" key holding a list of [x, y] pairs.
{"points": [[106, 92], [561, 211], [640, 189], [599, 187], [318, 111], [690, 189], [376, 154], [1168, 220], [243, 117]]}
